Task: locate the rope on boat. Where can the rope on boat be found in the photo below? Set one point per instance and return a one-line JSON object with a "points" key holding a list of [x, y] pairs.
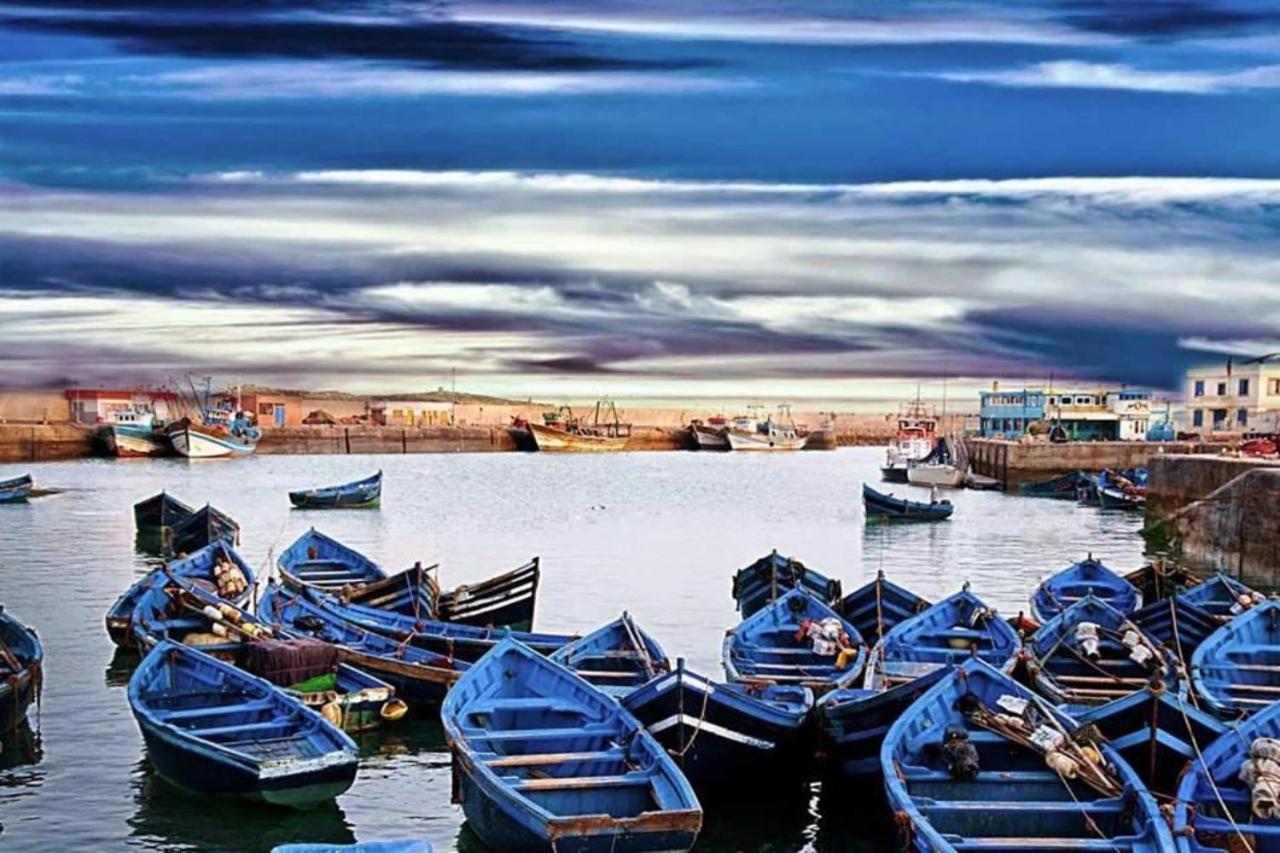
{"points": [[702, 716], [1217, 794]]}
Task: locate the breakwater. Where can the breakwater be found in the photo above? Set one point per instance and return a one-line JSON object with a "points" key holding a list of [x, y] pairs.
{"points": [[1013, 463]]}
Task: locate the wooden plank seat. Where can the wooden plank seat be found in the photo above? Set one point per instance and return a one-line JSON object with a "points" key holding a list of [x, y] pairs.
{"points": [[525, 703], [213, 710], [1066, 806], [581, 782], [517, 735], [1039, 843], [242, 728], [543, 759], [915, 773]]}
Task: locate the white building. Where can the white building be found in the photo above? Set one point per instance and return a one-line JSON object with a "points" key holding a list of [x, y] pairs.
{"points": [[413, 413], [1235, 397]]}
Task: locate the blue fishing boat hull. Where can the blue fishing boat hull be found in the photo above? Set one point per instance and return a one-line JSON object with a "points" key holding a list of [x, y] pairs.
{"points": [[1110, 497], [317, 560], [362, 494], [1064, 488], [957, 627], [1015, 802], [1236, 670], [724, 738], [1176, 623], [21, 672], [877, 607], [152, 515], [543, 760], [201, 529], [16, 489], [616, 657], [878, 505], [213, 729], [400, 845], [771, 576], [854, 722], [1087, 577]]}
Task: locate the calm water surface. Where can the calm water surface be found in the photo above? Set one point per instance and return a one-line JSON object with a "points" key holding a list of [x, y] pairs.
{"points": [[658, 534]]}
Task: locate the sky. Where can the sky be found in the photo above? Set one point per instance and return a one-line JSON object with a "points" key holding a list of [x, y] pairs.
{"points": [[797, 199]]}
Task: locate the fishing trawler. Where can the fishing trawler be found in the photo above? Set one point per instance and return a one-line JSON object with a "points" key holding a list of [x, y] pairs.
{"points": [[769, 434], [213, 430], [134, 432], [563, 432], [915, 439], [711, 434]]}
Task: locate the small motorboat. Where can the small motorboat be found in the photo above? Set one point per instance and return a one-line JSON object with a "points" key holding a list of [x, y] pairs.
{"points": [[1223, 802], [21, 671], [1087, 577], [880, 506], [158, 513], [1091, 654], [616, 657], [877, 607], [211, 564], [1064, 488], [16, 489], [913, 656], [980, 763], [726, 738], [937, 469], [420, 677], [790, 642], [773, 575], [1236, 670], [542, 760], [1158, 732], [362, 494], [214, 729], [202, 527]]}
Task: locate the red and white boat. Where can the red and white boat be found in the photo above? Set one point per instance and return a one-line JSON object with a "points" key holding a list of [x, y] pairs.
{"points": [[915, 440]]}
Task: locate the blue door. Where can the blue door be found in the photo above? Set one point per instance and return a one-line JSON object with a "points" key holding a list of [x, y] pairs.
{"points": [[279, 413]]}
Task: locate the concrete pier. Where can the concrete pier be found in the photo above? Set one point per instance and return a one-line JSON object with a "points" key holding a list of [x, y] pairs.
{"points": [[45, 442], [1013, 462]]}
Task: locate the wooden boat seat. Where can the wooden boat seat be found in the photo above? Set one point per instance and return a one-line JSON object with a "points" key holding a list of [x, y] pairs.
{"points": [[914, 773], [635, 778], [782, 650], [213, 710], [1066, 806], [531, 703], [1039, 843], [546, 758], [242, 728], [517, 735]]}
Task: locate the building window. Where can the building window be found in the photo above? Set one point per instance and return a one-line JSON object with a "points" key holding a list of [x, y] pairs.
{"points": [[1242, 388], [265, 409], [1199, 390], [1242, 417], [1222, 389], [1273, 386], [1197, 418]]}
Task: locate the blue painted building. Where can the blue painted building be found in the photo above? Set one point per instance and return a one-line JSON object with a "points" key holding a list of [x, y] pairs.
{"points": [[1083, 414]]}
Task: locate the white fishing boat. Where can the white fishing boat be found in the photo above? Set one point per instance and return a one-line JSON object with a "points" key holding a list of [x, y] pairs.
{"points": [[132, 432], [915, 439], [935, 474], [201, 441], [770, 434], [711, 434]]}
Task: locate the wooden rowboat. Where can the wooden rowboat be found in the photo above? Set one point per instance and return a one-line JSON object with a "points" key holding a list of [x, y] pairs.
{"points": [[1236, 670], [361, 494], [880, 506], [1087, 577], [21, 671], [773, 575], [616, 657], [543, 760], [16, 489]]}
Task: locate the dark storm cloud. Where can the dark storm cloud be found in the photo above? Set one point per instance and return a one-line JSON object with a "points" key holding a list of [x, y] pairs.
{"points": [[285, 30], [1170, 19]]}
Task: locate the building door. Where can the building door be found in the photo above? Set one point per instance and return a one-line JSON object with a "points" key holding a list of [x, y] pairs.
{"points": [[279, 414]]}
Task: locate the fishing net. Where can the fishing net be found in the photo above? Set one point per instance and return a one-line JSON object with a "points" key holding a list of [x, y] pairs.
{"points": [[286, 662]]}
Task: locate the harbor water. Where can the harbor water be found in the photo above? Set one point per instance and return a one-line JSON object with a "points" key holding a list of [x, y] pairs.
{"points": [[656, 534]]}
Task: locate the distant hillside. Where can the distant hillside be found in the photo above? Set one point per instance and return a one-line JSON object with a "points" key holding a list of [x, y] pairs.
{"points": [[438, 396]]}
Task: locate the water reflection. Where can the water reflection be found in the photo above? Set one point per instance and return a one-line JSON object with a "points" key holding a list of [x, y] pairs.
{"points": [[123, 662], [20, 748]]}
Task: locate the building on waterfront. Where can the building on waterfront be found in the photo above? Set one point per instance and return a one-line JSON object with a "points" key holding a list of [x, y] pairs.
{"points": [[411, 413], [101, 405], [1235, 397], [1082, 414], [274, 408]]}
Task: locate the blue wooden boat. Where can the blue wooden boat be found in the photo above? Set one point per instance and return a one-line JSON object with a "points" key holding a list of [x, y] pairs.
{"points": [[1091, 654], [393, 845], [320, 561], [465, 642], [181, 610], [616, 657], [419, 676], [207, 564], [362, 494], [1183, 621], [153, 515], [1011, 800], [769, 647], [1064, 488], [1087, 577], [204, 526], [773, 575], [542, 760], [1215, 808], [726, 738], [880, 506], [913, 656], [16, 489], [1236, 670], [1161, 579], [876, 607], [211, 728], [1158, 732], [506, 600], [21, 671], [1114, 493]]}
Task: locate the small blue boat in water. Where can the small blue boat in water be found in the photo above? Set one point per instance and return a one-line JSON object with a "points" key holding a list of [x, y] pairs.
{"points": [[204, 526], [1183, 621], [1157, 732], [158, 512], [16, 489], [394, 845], [1091, 654], [1087, 577], [913, 656], [211, 728], [1064, 488], [1236, 670], [419, 676], [877, 607], [320, 561], [966, 769], [542, 760], [616, 657], [726, 738], [21, 671], [880, 506], [1216, 810], [773, 575], [790, 642], [362, 494], [211, 563]]}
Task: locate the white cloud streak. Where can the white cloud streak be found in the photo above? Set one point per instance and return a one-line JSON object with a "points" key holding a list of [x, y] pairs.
{"points": [[1072, 74]]}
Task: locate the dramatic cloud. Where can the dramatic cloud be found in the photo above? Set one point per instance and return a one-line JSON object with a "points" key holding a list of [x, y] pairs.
{"points": [[1068, 74]]}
